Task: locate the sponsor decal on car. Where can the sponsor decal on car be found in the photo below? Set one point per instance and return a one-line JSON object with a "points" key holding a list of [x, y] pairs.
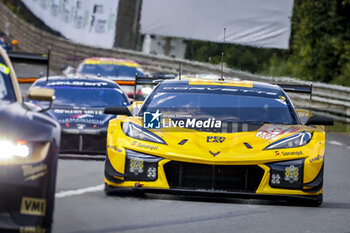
{"points": [[78, 112], [33, 172], [319, 157], [33, 206], [82, 120], [216, 139], [270, 131], [284, 153], [115, 148], [146, 146], [77, 83]]}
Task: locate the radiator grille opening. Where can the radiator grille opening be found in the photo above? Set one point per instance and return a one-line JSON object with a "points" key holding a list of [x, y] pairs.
{"points": [[81, 143], [229, 178]]}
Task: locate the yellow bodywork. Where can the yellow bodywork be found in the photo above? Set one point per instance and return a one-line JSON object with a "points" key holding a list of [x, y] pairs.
{"points": [[232, 152]]}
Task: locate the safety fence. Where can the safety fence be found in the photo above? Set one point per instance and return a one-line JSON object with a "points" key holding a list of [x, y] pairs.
{"points": [[326, 100]]}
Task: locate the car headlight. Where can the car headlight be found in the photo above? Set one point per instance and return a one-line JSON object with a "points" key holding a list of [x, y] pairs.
{"points": [[296, 140], [287, 174], [140, 166], [134, 131], [11, 149]]}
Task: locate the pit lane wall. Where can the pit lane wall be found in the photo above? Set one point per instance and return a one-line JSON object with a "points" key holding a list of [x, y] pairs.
{"points": [[326, 100]]}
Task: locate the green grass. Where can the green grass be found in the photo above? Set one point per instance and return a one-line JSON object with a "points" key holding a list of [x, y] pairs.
{"points": [[339, 128]]}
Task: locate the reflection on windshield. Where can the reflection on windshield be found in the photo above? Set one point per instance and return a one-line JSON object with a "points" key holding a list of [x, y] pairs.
{"points": [[224, 107], [88, 97], [110, 70]]}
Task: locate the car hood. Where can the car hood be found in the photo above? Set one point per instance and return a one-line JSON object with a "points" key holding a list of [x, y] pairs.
{"points": [[19, 123], [227, 148]]}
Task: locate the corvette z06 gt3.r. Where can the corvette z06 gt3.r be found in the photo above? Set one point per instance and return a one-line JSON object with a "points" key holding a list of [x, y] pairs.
{"points": [[28, 159], [216, 137]]}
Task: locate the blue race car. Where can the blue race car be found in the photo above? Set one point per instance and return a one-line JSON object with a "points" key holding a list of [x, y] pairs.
{"points": [[78, 107]]}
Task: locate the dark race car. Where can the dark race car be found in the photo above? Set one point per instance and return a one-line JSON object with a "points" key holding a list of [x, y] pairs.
{"points": [[28, 160], [78, 107]]}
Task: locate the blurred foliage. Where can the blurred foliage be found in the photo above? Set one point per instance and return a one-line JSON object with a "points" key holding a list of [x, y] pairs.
{"points": [[319, 46], [339, 127]]}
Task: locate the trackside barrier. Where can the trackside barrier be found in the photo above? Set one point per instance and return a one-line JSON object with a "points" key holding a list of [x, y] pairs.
{"points": [[327, 100]]}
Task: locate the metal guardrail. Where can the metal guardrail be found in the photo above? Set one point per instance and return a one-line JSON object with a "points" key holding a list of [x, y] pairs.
{"points": [[326, 99]]}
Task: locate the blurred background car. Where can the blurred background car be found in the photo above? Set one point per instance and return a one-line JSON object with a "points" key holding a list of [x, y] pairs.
{"points": [[111, 68], [28, 160], [119, 70], [78, 107]]}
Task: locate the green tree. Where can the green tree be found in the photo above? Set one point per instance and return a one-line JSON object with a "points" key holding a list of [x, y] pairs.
{"points": [[319, 46]]}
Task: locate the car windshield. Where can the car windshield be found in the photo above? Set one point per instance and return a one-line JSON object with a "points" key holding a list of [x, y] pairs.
{"points": [[6, 89], [88, 97], [110, 70], [239, 107]]}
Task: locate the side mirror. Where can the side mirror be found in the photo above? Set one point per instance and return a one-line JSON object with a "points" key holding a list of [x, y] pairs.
{"points": [[118, 110], [304, 115], [319, 120], [42, 94]]}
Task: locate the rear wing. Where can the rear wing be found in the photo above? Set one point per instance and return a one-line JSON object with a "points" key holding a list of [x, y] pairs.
{"points": [[21, 60], [150, 80], [297, 88], [145, 80]]}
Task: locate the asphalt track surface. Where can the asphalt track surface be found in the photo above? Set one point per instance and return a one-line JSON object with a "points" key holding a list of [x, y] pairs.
{"points": [[82, 206]]}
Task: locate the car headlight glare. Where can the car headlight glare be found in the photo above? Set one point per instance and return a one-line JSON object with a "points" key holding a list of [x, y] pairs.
{"points": [[134, 131], [12, 149], [296, 140]]}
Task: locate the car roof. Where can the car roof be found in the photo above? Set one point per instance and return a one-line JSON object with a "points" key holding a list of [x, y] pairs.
{"points": [[109, 60], [78, 82]]}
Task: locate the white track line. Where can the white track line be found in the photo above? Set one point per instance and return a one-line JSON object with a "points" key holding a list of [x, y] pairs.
{"points": [[79, 191], [336, 143]]}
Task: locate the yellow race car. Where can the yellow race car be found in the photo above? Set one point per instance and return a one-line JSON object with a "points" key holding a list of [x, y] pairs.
{"points": [[217, 137]]}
